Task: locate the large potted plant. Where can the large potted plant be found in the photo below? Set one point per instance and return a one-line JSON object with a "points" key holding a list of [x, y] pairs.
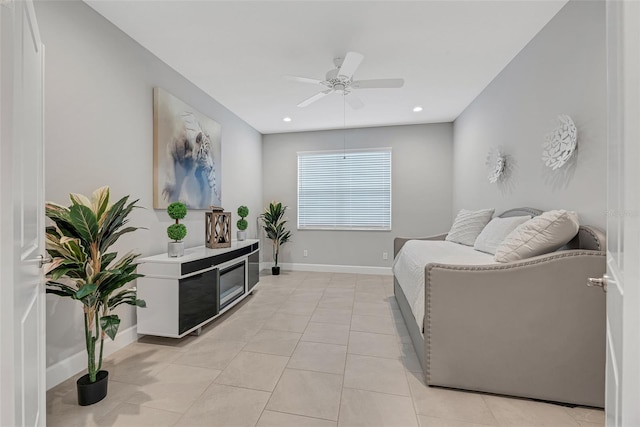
{"points": [[83, 269], [242, 223], [274, 225], [177, 231]]}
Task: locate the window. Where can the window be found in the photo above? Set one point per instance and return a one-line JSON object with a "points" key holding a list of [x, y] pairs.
{"points": [[345, 190]]}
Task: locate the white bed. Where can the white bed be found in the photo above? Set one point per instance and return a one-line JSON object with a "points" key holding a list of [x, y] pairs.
{"points": [[409, 267]]}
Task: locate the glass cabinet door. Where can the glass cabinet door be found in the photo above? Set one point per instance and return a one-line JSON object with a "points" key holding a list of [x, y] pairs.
{"points": [[232, 281], [198, 302]]}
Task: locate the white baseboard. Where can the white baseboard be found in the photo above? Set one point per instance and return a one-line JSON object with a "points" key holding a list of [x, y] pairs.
{"points": [[326, 268], [70, 366]]}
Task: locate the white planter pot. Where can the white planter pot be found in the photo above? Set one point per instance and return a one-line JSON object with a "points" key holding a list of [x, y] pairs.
{"points": [[175, 249], [242, 235]]}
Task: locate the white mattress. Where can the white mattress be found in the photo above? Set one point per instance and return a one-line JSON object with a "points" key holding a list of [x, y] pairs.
{"points": [[409, 265]]}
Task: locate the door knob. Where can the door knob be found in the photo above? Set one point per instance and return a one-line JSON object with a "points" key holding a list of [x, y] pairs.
{"points": [[42, 260], [598, 282]]}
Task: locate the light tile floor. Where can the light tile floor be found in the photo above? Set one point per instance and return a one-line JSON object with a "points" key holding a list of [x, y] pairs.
{"points": [[307, 349]]}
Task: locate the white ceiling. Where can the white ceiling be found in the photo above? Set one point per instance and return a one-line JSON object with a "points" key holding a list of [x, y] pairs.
{"points": [[238, 51]]}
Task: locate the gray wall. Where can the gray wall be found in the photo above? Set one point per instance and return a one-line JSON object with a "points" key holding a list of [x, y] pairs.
{"points": [[561, 71], [99, 131], [421, 190]]}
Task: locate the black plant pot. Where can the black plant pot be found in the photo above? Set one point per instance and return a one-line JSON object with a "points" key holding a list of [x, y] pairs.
{"points": [[90, 393], [275, 271]]}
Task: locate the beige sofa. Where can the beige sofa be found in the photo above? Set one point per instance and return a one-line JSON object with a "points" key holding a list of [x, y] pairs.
{"points": [[529, 328]]}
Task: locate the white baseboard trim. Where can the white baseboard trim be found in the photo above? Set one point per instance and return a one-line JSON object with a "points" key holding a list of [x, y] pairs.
{"points": [[65, 369], [326, 268]]}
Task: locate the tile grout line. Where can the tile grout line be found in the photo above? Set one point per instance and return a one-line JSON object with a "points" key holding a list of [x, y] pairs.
{"points": [[298, 415], [346, 357], [406, 377], [281, 373], [379, 392], [214, 379]]}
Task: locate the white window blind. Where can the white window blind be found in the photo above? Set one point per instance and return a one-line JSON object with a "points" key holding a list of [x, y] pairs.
{"points": [[345, 190]]}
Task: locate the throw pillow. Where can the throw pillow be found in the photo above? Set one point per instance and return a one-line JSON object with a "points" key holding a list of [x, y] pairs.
{"points": [[496, 231], [468, 225], [540, 235]]}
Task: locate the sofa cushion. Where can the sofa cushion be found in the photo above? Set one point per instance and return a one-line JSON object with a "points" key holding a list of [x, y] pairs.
{"points": [[468, 225], [540, 235], [496, 231]]}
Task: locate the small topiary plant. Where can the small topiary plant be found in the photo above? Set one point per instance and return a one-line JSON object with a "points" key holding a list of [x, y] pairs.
{"points": [[242, 223], [177, 211]]}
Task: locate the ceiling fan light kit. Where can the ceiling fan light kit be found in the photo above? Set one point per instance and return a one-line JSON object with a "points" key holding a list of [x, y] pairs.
{"points": [[340, 80]]}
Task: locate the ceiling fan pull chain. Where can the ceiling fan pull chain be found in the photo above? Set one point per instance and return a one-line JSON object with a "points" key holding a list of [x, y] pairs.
{"points": [[344, 128]]}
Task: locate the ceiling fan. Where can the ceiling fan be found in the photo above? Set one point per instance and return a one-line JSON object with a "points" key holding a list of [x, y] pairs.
{"points": [[340, 80]]}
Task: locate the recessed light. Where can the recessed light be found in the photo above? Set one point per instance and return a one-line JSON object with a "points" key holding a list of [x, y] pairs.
{"points": [[286, 119], [417, 109]]}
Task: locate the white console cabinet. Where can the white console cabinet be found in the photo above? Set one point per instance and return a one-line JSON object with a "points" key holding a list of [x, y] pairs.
{"points": [[185, 293]]}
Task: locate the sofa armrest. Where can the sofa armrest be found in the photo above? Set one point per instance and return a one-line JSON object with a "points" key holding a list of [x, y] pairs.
{"points": [[399, 242], [529, 328]]}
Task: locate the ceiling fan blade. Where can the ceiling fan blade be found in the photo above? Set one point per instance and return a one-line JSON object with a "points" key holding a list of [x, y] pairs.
{"points": [[353, 101], [303, 80], [350, 64], [315, 97], [377, 84]]}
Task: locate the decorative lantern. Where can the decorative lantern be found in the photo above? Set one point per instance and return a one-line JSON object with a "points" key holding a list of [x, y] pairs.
{"points": [[217, 228]]}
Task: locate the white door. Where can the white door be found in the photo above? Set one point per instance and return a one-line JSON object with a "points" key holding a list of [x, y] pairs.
{"points": [[623, 224], [22, 301]]}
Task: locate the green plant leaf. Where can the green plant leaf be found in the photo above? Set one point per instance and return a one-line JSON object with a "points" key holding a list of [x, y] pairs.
{"points": [[62, 286], [177, 210], [77, 252], [85, 290], [243, 211], [107, 259], [110, 325], [176, 232], [127, 296], [60, 289], [84, 221], [108, 241], [100, 203], [59, 292], [59, 272], [119, 282], [115, 218], [79, 199]]}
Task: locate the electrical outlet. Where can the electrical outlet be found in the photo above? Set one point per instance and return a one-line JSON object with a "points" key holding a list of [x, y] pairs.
{"points": [[305, 253], [385, 256]]}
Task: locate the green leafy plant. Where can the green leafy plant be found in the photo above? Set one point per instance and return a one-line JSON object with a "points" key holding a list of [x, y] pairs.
{"points": [[177, 211], [274, 225], [83, 269], [242, 223]]}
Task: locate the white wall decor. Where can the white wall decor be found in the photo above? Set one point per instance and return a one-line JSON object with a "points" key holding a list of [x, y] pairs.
{"points": [[496, 164], [186, 154], [560, 143], [562, 70]]}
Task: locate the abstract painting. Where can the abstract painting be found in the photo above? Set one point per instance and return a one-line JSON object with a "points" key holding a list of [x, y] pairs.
{"points": [[186, 153]]}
